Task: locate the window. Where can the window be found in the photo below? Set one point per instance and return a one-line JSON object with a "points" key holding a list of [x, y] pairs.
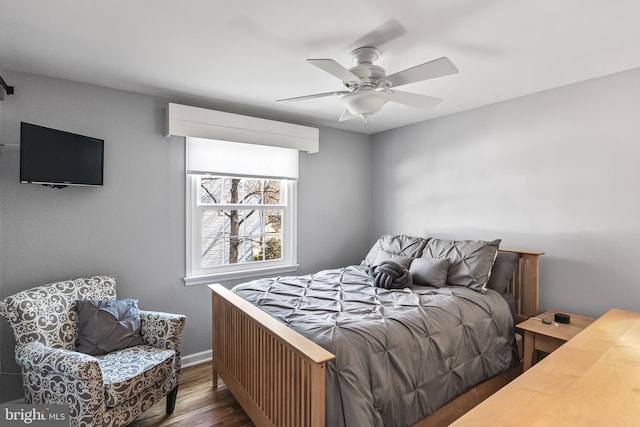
{"points": [[238, 226]]}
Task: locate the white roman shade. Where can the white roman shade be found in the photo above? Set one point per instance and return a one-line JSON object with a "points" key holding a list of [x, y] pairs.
{"points": [[206, 156], [184, 120]]}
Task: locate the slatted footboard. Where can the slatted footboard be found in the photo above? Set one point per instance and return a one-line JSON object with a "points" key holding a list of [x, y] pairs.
{"points": [[278, 375]]}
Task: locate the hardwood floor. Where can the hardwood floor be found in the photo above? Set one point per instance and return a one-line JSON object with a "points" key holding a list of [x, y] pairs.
{"points": [[198, 404]]}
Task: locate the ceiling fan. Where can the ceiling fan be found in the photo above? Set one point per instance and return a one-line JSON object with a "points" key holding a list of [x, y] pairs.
{"points": [[369, 88]]}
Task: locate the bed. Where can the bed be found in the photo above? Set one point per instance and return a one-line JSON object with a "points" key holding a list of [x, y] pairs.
{"points": [[331, 348]]}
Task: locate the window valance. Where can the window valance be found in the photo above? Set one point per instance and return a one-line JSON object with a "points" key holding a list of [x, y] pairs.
{"points": [[184, 120]]}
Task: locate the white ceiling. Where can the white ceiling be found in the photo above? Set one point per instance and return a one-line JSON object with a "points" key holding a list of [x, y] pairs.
{"points": [[242, 55]]}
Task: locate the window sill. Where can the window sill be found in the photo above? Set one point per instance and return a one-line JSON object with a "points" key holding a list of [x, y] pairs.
{"points": [[208, 279]]}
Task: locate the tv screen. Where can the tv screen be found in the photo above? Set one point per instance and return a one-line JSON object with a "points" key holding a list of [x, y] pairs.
{"points": [[57, 158]]}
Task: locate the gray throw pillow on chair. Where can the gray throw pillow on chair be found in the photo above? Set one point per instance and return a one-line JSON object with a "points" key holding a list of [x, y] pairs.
{"points": [[107, 325]]}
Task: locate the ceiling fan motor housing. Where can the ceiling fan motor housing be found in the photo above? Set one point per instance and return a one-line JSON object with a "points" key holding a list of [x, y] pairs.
{"points": [[365, 54], [366, 70]]}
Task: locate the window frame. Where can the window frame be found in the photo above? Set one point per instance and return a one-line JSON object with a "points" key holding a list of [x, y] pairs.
{"points": [[195, 275]]}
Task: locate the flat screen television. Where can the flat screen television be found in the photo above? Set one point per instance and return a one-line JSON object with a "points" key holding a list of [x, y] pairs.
{"points": [[58, 159]]}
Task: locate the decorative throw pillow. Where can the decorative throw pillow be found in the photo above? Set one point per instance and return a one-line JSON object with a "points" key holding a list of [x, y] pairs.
{"points": [[107, 325], [502, 271], [429, 271], [382, 256], [470, 261], [390, 275]]}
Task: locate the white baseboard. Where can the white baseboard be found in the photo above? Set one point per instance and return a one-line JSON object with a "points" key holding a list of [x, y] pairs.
{"points": [[197, 358]]}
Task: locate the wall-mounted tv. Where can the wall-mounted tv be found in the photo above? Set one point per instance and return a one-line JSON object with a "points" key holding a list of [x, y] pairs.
{"points": [[57, 158]]}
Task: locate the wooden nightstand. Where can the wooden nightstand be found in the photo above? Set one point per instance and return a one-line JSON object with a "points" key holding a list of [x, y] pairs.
{"points": [[547, 338]]}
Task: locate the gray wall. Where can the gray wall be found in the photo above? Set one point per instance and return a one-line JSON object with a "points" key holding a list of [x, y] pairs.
{"points": [[555, 171], [134, 226]]}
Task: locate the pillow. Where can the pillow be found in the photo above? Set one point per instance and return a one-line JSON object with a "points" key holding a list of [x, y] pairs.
{"points": [[107, 325], [429, 271], [470, 261], [382, 256], [398, 244], [502, 271], [390, 275]]}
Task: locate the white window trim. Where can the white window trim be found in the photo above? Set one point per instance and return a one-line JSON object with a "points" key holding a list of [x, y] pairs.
{"points": [[209, 279], [289, 262], [193, 122]]}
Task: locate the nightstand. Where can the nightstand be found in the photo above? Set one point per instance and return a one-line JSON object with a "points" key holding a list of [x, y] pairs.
{"points": [[547, 338]]}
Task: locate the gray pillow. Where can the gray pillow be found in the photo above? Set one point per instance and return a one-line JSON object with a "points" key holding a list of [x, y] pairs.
{"points": [[383, 256], [502, 271], [429, 271], [398, 244], [107, 325], [470, 261]]}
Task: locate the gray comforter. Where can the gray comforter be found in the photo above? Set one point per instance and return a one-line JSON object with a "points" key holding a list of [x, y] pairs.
{"points": [[400, 354]]}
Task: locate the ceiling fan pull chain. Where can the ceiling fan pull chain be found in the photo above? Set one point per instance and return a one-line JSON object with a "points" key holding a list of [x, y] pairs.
{"points": [[365, 118]]}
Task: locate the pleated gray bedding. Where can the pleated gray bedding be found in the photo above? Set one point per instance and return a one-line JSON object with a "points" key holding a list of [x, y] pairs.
{"points": [[400, 354]]}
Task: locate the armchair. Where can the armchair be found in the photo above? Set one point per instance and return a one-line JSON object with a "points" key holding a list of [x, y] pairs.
{"points": [[106, 390]]}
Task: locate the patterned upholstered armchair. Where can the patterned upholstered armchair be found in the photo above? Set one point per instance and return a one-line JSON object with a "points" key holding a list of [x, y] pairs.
{"points": [[106, 390]]}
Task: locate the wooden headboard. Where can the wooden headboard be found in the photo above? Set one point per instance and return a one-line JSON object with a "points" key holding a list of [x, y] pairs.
{"points": [[525, 283]]}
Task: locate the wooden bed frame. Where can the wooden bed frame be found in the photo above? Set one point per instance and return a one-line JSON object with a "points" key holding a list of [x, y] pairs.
{"points": [[278, 375]]}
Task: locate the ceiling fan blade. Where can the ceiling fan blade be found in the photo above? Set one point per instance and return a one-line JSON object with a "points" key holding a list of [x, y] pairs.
{"points": [[390, 30], [332, 67], [346, 115], [315, 95], [428, 70], [412, 99]]}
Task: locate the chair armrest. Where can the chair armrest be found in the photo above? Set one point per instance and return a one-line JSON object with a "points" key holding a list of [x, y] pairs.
{"points": [[35, 356], [63, 377], [163, 330]]}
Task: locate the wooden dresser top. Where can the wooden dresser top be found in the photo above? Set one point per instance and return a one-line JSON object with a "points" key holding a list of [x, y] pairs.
{"points": [[592, 380]]}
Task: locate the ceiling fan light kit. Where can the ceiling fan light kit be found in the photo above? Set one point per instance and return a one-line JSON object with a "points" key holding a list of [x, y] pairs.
{"points": [[364, 102]]}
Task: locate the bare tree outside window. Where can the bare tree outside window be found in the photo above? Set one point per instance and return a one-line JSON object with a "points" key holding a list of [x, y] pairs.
{"points": [[242, 221]]}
